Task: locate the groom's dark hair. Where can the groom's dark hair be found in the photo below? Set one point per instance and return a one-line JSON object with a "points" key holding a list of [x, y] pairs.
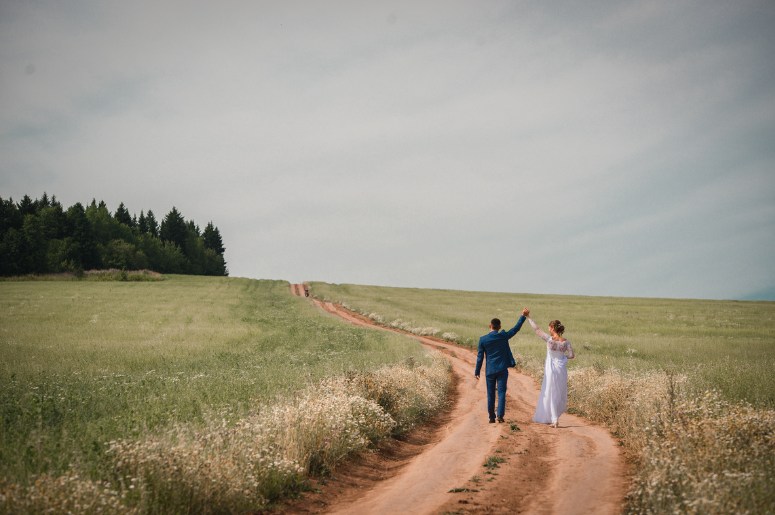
{"points": [[495, 323]]}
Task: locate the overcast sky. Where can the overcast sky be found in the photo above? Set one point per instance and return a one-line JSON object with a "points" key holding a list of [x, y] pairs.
{"points": [[594, 148]]}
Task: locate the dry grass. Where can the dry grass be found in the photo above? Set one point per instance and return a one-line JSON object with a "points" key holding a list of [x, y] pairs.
{"points": [[694, 453], [242, 466], [67, 493]]}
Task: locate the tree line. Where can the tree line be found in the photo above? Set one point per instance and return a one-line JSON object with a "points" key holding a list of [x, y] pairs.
{"points": [[40, 236]]}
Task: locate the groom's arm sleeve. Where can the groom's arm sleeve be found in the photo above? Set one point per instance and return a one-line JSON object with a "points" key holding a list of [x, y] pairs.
{"points": [[514, 330]]}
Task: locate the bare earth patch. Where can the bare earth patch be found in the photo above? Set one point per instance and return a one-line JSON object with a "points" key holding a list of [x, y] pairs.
{"points": [[440, 467]]}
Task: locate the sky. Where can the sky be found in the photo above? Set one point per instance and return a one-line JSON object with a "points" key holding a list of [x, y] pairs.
{"points": [[583, 148]]}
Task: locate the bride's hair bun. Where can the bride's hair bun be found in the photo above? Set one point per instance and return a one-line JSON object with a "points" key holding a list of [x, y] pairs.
{"points": [[557, 326]]}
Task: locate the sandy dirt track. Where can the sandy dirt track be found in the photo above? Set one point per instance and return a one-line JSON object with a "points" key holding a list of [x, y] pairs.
{"points": [[577, 468]]}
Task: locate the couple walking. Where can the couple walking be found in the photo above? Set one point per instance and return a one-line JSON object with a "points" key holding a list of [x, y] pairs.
{"points": [[553, 398]]}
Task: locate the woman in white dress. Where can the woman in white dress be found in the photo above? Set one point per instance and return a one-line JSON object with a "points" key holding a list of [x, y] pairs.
{"points": [[554, 389]]}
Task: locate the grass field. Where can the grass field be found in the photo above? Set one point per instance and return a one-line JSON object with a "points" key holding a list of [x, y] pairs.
{"points": [[84, 363], [686, 385], [726, 345], [182, 394]]}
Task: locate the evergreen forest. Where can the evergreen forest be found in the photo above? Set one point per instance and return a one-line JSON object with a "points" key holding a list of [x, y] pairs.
{"points": [[41, 237]]}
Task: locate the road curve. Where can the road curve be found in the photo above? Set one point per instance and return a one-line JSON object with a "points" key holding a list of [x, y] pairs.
{"points": [[575, 469]]}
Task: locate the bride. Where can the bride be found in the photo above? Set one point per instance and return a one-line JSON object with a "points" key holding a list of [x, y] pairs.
{"points": [[553, 398]]}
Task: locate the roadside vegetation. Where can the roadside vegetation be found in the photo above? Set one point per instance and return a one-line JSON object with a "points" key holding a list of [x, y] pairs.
{"points": [[189, 394], [686, 385]]}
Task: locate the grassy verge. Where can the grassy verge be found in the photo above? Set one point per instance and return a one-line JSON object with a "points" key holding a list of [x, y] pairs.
{"points": [[694, 452], [685, 384], [111, 274], [242, 466], [93, 371]]}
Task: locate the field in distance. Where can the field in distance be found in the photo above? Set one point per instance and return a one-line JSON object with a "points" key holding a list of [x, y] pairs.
{"points": [[724, 345]]}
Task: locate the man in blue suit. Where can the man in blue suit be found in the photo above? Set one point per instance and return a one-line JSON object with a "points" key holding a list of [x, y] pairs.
{"points": [[495, 345]]}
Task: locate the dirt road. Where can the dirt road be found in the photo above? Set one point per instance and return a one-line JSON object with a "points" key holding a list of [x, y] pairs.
{"points": [[533, 468]]}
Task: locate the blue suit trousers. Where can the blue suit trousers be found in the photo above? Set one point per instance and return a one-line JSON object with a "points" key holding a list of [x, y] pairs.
{"points": [[497, 381]]}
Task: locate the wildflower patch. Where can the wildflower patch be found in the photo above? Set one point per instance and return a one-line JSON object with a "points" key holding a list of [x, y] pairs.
{"points": [[244, 465], [694, 453]]}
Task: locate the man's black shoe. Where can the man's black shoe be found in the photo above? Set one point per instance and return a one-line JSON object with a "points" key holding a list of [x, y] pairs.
{"points": [[500, 419], [492, 421]]}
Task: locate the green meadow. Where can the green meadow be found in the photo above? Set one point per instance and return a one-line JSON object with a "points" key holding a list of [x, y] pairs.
{"points": [[83, 363], [724, 345], [129, 393]]}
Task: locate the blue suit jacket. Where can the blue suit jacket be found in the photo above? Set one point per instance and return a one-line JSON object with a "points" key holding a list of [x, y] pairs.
{"points": [[495, 346]]}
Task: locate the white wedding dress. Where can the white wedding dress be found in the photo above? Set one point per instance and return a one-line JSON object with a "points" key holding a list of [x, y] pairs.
{"points": [[553, 399]]}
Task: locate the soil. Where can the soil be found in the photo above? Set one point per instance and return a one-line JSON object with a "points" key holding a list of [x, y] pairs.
{"points": [[459, 463]]}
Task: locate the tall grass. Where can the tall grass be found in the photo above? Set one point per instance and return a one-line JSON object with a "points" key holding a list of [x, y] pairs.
{"points": [[686, 385], [241, 466], [694, 453], [86, 363]]}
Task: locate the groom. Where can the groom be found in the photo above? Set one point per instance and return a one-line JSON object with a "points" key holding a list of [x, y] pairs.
{"points": [[495, 345]]}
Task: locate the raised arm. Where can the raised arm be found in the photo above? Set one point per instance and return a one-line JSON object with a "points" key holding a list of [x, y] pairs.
{"points": [[545, 337], [514, 330]]}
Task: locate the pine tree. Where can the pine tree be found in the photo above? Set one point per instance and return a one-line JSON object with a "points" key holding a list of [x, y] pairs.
{"points": [[123, 216], [10, 217], [174, 229], [193, 228], [153, 225], [34, 245], [27, 206], [142, 225], [212, 239], [84, 253]]}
